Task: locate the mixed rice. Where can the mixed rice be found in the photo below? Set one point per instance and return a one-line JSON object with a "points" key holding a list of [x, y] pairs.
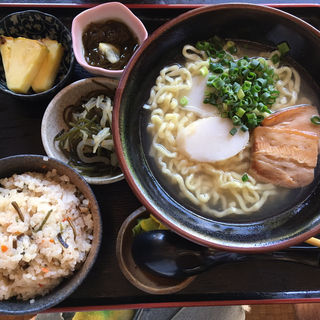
{"points": [[46, 231]]}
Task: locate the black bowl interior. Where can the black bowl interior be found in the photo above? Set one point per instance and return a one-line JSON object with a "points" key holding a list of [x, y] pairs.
{"points": [[23, 163], [267, 26], [34, 24]]}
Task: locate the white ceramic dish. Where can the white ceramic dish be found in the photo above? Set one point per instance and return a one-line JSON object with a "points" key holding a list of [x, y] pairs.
{"points": [[53, 123], [103, 12]]}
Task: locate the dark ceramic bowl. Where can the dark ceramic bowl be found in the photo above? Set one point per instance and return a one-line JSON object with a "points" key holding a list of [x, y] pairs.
{"points": [[37, 163], [282, 228], [35, 24]]}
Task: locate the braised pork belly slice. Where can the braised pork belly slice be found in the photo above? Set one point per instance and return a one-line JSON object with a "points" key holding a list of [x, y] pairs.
{"points": [[295, 118], [284, 157], [285, 148]]}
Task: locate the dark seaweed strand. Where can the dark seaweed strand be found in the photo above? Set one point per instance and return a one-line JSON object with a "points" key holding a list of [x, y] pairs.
{"points": [[59, 134], [63, 243], [17, 208], [69, 110], [91, 126], [44, 220]]}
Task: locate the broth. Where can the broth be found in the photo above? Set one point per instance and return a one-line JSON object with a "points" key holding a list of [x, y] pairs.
{"points": [[278, 202]]}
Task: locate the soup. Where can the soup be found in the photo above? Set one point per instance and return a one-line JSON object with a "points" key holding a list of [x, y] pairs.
{"points": [[185, 104]]}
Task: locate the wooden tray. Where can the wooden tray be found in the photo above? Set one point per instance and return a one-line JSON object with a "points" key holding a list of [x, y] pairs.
{"points": [[106, 287]]}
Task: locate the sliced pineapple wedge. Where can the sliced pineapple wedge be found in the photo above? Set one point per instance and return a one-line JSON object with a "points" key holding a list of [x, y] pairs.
{"points": [[22, 59], [44, 80]]}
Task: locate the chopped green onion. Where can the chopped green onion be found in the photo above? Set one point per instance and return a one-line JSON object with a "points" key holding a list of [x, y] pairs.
{"points": [[283, 48], [236, 120], [231, 47], [315, 120], [204, 71], [184, 101], [240, 112], [275, 58], [243, 90], [233, 131], [240, 94], [246, 85], [245, 178], [216, 67], [244, 128]]}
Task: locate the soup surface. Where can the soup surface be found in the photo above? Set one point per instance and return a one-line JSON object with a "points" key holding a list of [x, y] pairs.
{"points": [[199, 136]]}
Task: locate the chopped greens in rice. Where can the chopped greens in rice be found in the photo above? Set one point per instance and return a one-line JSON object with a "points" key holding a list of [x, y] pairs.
{"points": [[46, 230]]}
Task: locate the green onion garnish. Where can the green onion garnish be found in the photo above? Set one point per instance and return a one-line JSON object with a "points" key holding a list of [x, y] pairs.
{"points": [[204, 71], [315, 119], [242, 90], [184, 101], [275, 58], [245, 178], [283, 48], [240, 94], [240, 112], [233, 131], [244, 128]]}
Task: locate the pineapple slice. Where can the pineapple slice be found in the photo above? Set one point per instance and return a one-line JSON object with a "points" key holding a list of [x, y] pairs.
{"points": [[47, 74], [22, 59]]}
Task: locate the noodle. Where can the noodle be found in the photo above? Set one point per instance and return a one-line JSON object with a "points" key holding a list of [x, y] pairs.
{"points": [[217, 188]]}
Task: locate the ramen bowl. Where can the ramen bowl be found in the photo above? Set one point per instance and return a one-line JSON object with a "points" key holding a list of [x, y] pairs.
{"points": [[17, 165], [297, 218]]}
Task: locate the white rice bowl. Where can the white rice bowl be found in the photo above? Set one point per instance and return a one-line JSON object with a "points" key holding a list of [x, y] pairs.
{"points": [[36, 254]]}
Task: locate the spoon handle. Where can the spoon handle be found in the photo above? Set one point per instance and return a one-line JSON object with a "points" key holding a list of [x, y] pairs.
{"points": [[221, 257]]}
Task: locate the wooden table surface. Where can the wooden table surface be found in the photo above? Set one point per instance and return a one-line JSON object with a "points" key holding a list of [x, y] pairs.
{"points": [[240, 283]]}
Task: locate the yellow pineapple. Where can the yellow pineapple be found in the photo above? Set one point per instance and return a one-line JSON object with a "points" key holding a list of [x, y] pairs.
{"points": [[22, 59], [45, 78]]}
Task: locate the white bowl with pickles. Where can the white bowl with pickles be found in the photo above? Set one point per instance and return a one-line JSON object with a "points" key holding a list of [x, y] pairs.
{"points": [[76, 129]]}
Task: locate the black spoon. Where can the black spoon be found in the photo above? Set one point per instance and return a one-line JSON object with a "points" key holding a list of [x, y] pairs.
{"points": [[167, 254]]}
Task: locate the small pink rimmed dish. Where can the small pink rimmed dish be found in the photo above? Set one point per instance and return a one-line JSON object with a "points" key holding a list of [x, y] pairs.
{"points": [[96, 18]]}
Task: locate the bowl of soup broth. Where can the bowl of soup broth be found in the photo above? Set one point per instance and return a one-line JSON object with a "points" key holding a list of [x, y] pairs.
{"points": [[218, 133]]}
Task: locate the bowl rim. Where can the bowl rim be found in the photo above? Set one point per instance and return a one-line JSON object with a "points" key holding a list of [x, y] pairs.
{"points": [[46, 119], [72, 59], [127, 170], [65, 291], [123, 14]]}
